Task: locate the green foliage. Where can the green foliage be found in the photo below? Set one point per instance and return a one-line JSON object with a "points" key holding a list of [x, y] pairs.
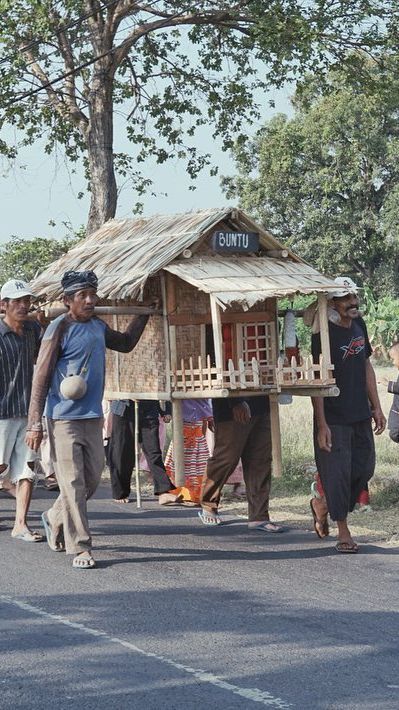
{"points": [[27, 258], [327, 180], [382, 319], [171, 67]]}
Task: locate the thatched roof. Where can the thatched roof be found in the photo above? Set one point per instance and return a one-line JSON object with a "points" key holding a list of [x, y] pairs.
{"points": [[125, 253], [249, 279]]}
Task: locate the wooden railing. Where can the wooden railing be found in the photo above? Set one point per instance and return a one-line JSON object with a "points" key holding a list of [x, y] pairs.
{"points": [[203, 377]]}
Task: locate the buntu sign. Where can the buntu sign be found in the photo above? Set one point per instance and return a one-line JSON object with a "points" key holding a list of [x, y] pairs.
{"points": [[238, 242]]}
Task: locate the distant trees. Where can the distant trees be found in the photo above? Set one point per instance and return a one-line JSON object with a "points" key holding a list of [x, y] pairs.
{"points": [[326, 181], [168, 67], [26, 258]]}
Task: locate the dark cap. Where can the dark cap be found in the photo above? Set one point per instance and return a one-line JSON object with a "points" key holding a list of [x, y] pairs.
{"points": [[73, 281]]}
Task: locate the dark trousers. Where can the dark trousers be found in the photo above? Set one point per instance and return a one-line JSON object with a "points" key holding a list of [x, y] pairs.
{"points": [[347, 468], [252, 443], [122, 457]]}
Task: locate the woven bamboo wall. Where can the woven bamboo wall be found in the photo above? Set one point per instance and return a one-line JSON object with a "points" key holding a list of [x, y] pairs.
{"points": [[144, 369], [190, 300]]}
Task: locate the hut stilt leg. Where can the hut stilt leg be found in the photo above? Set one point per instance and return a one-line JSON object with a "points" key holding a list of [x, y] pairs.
{"points": [[178, 442], [137, 453], [276, 437]]}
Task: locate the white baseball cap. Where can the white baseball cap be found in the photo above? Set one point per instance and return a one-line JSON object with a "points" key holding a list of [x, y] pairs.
{"points": [[15, 288], [346, 286]]}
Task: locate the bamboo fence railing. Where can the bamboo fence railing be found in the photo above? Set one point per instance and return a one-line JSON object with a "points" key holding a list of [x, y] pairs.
{"points": [[203, 377]]}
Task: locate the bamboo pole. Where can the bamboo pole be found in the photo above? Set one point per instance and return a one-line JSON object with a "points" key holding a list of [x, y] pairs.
{"points": [[202, 394], [309, 391], [178, 441], [277, 253], [137, 453], [168, 369], [108, 311], [116, 353], [324, 335], [217, 335], [111, 394], [276, 437]]}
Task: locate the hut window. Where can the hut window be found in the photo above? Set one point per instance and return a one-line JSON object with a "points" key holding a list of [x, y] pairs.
{"points": [[255, 340], [227, 336]]}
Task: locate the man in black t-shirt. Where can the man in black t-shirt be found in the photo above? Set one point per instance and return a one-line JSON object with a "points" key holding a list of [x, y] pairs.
{"points": [[343, 436]]}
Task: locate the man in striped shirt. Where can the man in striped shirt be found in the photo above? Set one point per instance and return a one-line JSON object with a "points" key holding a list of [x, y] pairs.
{"points": [[19, 345]]}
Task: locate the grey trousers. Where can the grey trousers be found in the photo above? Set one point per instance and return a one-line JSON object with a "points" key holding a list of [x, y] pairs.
{"points": [[78, 455], [252, 444]]}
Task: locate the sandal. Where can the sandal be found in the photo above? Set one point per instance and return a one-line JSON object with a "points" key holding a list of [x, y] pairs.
{"points": [[27, 535], [55, 542], [83, 561], [209, 518], [347, 547], [267, 526]]}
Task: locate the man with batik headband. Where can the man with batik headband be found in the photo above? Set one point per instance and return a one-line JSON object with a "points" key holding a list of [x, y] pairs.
{"points": [[69, 380], [343, 436]]}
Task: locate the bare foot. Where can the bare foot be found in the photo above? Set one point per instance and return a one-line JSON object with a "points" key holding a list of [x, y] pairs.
{"points": [[9, 488], [121, 500], [319, 510]]}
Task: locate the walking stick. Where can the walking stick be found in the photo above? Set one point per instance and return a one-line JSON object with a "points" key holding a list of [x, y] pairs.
{"points": [[137, 452]]}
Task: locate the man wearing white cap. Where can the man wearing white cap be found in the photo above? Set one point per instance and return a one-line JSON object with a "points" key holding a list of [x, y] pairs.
{"points": [[19, 345], [343, 437]]}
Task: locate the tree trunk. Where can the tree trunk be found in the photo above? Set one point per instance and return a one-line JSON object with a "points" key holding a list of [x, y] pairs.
{"points": [[100, 153]]}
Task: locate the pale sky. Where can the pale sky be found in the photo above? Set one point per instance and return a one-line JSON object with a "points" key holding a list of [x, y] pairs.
{"points": [[40, 188]]}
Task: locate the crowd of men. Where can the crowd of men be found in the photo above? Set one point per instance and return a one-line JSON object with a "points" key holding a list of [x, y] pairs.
{"points": [[66, 386]]}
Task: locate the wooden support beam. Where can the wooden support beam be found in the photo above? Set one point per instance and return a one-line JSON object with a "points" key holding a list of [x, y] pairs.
{"points": [[116, 394], [166, 333], [170, 286], [201, 394], [116, 353], [320, 391], [324, 335], [178, 442], [137, 453], [225, 317], [276, 437], [108, 311], [217, 334], [277, 253]]}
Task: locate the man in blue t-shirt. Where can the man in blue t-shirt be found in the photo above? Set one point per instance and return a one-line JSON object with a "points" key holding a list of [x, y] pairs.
{"points": [[343, 436], [73, 353]]}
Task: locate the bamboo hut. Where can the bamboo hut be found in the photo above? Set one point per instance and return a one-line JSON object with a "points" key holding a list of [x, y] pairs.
{"points": [[218, 277]]}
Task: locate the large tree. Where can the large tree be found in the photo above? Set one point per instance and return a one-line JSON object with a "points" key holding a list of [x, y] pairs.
{"points": [[172, 65], [326, 181]]}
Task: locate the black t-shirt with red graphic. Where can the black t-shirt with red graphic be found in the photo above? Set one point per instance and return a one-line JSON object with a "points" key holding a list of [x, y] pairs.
{"points": [[350, 348]]}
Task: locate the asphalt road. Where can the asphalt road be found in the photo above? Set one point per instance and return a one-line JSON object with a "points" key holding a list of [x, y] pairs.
{"points": [[180, 616]]}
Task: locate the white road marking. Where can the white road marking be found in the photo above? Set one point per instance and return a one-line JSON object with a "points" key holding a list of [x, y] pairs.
{"points": [[254, 694]]}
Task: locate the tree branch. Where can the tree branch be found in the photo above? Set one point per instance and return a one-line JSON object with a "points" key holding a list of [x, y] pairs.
{"points": [[65, 107], [218, 18]]}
